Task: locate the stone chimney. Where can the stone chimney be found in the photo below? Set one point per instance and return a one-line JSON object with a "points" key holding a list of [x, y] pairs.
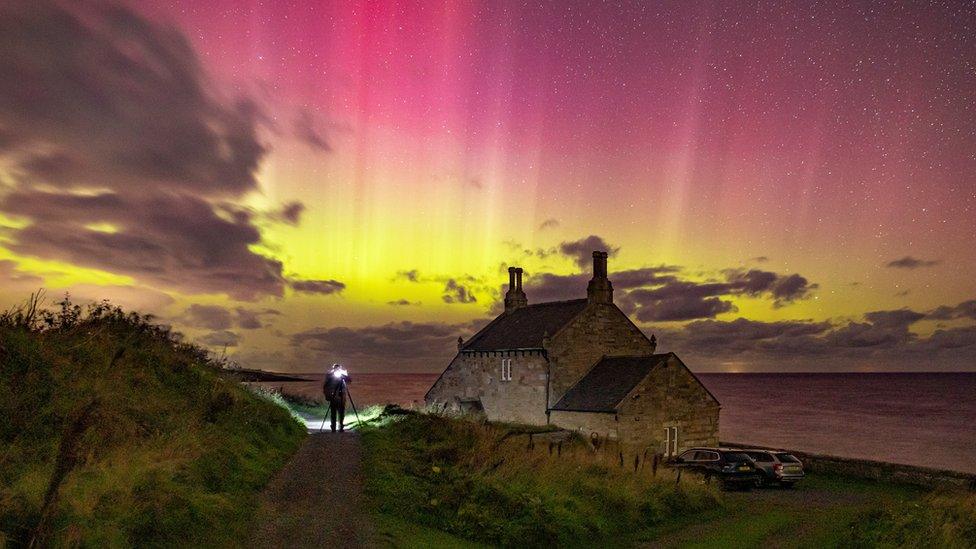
{"points": [[515, 297], [599, 290]]}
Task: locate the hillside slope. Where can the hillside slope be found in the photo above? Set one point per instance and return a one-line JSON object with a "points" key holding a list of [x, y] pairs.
{"points": [[116, 434]]}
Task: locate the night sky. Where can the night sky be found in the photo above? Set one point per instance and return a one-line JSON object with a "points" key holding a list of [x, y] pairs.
{"points": [[785, 187]]}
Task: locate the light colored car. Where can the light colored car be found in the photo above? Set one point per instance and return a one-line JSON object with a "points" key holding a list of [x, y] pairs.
{"points": [[775, 466]]}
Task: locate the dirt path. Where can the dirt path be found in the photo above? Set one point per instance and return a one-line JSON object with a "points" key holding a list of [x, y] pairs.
{"points": [[316, 500]]}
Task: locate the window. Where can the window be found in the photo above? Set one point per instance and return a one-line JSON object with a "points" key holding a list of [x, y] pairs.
{"points": [[787, 458], [760, 457], [703, 455], [506, 369], [670, 441]]}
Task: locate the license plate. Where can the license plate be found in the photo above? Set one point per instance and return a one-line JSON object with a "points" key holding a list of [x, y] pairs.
{"points": [[743, 467]]}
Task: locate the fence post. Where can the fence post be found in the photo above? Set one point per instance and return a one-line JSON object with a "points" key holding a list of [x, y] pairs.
{"points": [[655, 463]]}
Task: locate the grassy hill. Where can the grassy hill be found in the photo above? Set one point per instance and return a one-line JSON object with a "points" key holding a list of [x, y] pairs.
{"points": [[116, 434]]}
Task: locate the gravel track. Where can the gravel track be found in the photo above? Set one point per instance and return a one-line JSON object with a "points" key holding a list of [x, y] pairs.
{"points": [[316, 499]]}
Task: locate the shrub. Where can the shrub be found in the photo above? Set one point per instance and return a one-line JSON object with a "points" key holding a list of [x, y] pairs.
{"points": [[117, 433]]}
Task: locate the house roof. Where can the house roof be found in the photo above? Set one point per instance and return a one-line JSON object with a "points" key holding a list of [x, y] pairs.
{"points": [[608, 383], [525, 327]]}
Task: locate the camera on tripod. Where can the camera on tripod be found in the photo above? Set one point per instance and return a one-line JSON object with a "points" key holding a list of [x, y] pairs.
{"points": [[336, 389]]}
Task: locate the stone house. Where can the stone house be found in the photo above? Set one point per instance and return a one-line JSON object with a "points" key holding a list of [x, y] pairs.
{"points": [[580, 365]]}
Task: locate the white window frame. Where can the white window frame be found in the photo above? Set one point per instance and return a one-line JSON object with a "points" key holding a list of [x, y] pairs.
{"points": [[506, 369], [671, 440]]}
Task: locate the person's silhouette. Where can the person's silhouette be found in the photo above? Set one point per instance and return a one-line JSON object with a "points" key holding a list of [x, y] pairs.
{"points": [[334, 388]]}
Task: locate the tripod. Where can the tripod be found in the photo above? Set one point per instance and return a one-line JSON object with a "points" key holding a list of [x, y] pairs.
{"points": [[345, 390]]}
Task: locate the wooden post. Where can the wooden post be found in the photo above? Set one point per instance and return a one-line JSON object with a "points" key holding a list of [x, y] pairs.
{"points": [[559, 448], [677, 479], [636, 462], [654, 464]]}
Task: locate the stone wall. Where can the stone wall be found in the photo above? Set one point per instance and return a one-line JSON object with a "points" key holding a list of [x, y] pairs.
{"points": [[670, 396], [588, 424], [476, 377], [601, 329]]}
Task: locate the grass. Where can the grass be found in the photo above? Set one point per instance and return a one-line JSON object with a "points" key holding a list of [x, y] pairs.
{"points": [[460, 483], [483, 483], [940, 519], [117, 434]]}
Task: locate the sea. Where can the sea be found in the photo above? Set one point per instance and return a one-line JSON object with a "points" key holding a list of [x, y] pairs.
{"points": [[926, 419]]}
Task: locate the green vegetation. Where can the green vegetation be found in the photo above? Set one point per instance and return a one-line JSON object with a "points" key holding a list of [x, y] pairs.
{"points": [[115, 433], [936, 520], [484, 483], [460, 483]]}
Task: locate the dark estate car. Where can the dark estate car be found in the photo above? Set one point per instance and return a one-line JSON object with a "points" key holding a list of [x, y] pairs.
{"points": [[732, 467], [775, 466]]}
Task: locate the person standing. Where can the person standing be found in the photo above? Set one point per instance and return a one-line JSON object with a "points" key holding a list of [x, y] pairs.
{"points": [[334, 388]]}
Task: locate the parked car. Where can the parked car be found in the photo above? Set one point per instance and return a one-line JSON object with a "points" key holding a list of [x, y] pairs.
{"points": [[775, 467], [732, 467]]}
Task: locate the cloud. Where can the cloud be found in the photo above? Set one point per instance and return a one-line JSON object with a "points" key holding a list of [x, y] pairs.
{"points": [[402, 303], [553, 287], [290, 213], [684, 308], [966, 309], [130, 134], [721, 338], [759, 259], [215, 317], [176, 241], [124, 98], [783, 289], [550, 223], [211, 317], [11, 275], [457, 293], [581, 251], [222, 338], [133, 298], [660, 293], [311, 132], [396, 346], [672, 299], [325, 287], [252, 320], [880, 339], [410, 276], [909, 262]]}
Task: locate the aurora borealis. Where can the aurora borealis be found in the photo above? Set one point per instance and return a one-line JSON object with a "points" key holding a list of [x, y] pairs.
{"points": [[781, 186]]}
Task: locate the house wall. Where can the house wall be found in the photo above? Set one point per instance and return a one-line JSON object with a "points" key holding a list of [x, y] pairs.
{"points": [[669, 396], [587, 424], [601, 329], [477, 376]]}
